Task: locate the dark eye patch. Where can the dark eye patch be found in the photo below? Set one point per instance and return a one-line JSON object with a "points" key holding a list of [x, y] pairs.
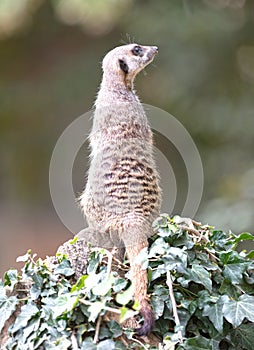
{"points": [[124, 66], [137, 50]]}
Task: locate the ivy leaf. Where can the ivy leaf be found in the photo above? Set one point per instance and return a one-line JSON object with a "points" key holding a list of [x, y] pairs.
{"points": [[80, 284], [126, 313], [125, 297], [24, 258], [27, 312], [8, 306], [64, 268], [32, 327], [115, 329], [103, 287], [244, 236], [234, 272], [64, 303], [214, 313], [11, 278], [158, 248], [244, 336], [3, 296], [63, 345], [231, 257], [198, 343], [120, 284], [88, 344], [108, 344], [35, 290], [200, 275], [250, 255], [157, 305], [92, 280], [95, 309], [236, 310]]}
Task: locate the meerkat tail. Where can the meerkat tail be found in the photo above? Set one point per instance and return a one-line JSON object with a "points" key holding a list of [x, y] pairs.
{"points": [[139, 281]]}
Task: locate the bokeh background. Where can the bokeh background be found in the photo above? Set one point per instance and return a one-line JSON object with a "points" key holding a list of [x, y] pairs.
{"points": [[50, 57]]}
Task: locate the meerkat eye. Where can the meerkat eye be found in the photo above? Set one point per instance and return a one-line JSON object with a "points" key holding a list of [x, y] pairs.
{"points": [[124, 66], [137, 50]]}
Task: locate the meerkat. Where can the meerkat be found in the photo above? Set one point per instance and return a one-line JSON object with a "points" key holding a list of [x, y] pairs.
{"points": [[122, 195]]}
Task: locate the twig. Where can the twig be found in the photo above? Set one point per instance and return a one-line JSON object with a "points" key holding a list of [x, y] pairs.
{"points": [[97, 330], [195, 232], [140, 343], [74, 342], [124, 341], [196, 223], [120, 264], [173, 301], [107, 308]]}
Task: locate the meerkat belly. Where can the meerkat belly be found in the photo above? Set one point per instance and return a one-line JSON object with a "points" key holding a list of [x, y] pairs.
{"points": [[122, 180]]}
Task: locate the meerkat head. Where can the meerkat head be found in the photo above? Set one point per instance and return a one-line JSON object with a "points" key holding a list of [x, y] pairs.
{"points": [[123, 63]]}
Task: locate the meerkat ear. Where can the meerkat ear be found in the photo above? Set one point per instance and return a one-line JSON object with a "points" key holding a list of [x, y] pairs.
{"points": [[123, 65]]}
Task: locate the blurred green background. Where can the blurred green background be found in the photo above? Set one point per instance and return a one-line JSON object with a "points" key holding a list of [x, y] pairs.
{"points": [[50, 57]]}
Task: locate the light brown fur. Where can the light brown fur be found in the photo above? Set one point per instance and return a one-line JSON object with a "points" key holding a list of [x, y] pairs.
{"points": [[122, 195]]}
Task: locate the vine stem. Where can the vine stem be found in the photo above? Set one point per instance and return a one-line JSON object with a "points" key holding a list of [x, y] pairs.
{"points": [[140, 343], [97, 330], [174, 306], [74, 342]]}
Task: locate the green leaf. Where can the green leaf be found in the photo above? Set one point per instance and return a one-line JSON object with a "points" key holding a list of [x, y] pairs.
{"points": [[235, 311], [234, 272], [126, 313], [198, 343], [64, 268], [214, 313], [115, 329], [36, 288], [95, 309], [61, 343], [125, 297], [243, 336], [231, 257], [31, 327], [3, 296], [120, 284], [11, 278], [103, 287], [93, 263], [158, 306], [24, 258], [250, 255], [158, 248], [229, 289], [60, 305], [88, 344], [74, 240], [64, 303], [244, 236], [91, 281], [27, 312], [200, 275], [8, 306], [108, 344], [80, 284]]}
